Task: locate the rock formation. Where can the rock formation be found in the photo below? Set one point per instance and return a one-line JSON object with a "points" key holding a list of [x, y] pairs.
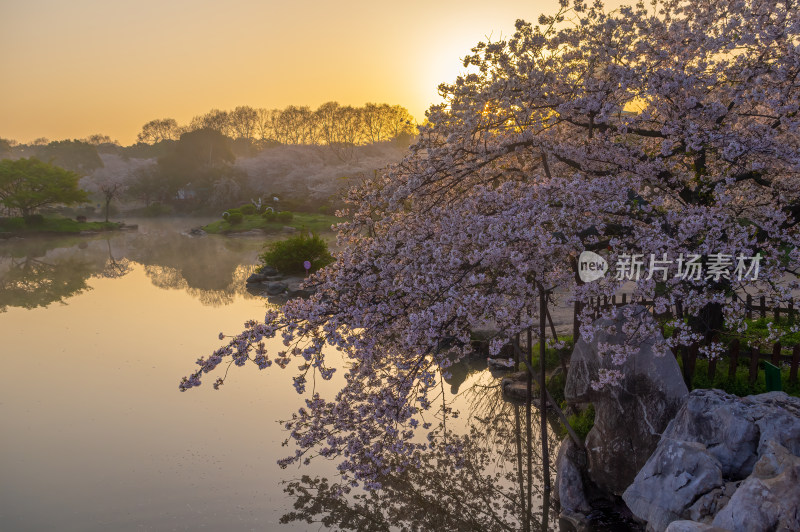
{"points": [[724, 463], [629, 418]]}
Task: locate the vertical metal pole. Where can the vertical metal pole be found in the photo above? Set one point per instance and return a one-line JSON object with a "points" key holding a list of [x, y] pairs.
{"points": [[528, 434], [518, 431], [542, 383]]}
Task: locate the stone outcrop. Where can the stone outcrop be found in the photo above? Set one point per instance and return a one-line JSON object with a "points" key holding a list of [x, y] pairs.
{"points": [[629, 418], [724, 463], [569, 489], [274, 288], [268, 282], [196, 231], [265, 273], [722, 425], [295, 289], [769, 499], [515, 387]]}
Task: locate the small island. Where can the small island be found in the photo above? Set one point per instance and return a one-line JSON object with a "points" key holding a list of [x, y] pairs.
{"points": [[252, 217]]}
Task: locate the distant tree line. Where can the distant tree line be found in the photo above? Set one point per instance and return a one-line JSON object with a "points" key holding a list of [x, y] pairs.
{"points": [[331, 124], [195, 166]]}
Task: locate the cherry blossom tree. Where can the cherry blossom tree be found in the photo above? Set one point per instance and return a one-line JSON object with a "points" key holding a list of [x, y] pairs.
{"points": [[112, 180], [669, 128]]}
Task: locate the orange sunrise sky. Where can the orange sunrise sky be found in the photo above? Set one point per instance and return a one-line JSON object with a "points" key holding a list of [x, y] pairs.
{"points": [[75, 68]]}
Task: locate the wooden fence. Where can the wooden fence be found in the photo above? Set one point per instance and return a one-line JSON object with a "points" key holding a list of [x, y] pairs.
{"points": [[733, 353]]}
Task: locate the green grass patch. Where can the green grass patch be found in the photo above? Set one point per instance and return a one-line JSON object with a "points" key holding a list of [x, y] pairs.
{"points": [[314, 222], [555, 385], [739, 384], [552, 358], [582, 422], [757, 332], [53, 225]]}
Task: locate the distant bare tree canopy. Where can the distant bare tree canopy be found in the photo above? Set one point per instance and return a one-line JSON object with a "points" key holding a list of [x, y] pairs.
{"points": [[159, 129], [331, 124], [98, 139]]}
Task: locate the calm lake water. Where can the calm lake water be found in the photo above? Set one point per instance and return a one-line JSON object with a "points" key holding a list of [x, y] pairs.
{"points": [[97, 332]]}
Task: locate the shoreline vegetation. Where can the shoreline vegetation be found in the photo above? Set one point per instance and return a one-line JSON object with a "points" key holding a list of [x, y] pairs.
{"points": [[313, 222], [45, 225]]}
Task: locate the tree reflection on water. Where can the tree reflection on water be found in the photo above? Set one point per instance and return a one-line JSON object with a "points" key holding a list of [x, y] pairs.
{"points": [[480, 473], [37, 272], [494, 480], [30, 282]]}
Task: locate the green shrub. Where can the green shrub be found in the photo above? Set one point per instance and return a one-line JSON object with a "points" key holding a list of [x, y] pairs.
{"points": [[757, 330], [12, 224], [582, 422], [555, 385], [247, 209], [282, 217], [235, 218], [288, 256], [34, 219]]}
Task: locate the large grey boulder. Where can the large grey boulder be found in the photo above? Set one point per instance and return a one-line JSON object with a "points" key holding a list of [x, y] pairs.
{"points": [[629, 418], [722, 424], [756, 438], [677, 474]]}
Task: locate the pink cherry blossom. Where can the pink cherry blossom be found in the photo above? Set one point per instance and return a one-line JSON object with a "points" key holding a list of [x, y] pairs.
{"points": [[668, 128]]}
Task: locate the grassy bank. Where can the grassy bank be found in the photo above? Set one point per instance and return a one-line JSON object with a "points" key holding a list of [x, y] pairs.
{"points": [[739, 384], [313, 222], [55, 225]]}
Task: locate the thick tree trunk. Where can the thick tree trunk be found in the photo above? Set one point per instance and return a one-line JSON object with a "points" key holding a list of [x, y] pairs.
{"points": [[708, 321]]}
